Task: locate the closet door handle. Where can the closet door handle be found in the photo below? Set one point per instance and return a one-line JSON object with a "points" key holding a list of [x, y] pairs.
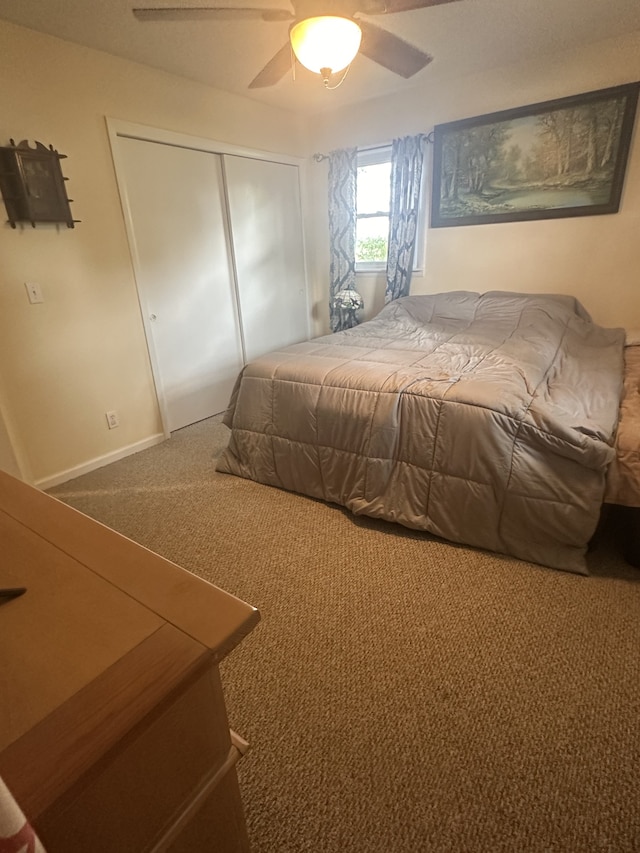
{"points": [[153, 318]]}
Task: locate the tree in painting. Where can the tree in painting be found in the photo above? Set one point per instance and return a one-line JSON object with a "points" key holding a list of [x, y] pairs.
{"points": [[558, 158]]}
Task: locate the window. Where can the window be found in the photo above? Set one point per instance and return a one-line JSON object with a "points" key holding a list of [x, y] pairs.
{"points": [[372, 214]]}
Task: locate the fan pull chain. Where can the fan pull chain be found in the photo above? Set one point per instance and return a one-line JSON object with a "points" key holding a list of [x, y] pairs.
{"points": [[331, 88]]}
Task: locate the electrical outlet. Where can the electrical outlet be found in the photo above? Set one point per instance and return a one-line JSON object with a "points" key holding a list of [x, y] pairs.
{"points": [[34, 291], [113, 420]]}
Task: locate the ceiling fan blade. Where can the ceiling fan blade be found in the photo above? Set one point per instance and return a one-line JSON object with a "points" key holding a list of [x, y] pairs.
{"points": [[390, 51], [387, 7], [207, 13], [274, 70]]}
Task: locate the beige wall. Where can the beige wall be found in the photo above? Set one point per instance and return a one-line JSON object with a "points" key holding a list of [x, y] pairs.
{"points": [[65, 362], [596, 258]]}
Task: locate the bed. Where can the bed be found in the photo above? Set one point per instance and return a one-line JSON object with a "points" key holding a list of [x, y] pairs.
{"points": [[623, 475], [485, 419]]}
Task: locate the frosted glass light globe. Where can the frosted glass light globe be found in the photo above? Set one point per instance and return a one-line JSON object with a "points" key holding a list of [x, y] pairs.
{"points": [[326, 42]]}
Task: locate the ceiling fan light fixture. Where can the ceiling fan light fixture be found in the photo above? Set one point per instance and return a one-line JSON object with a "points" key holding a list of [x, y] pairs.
{"points": [[325, 43]]}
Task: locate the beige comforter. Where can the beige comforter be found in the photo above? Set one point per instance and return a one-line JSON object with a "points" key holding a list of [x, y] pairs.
{"points": [[623, 478], [486, 419]]}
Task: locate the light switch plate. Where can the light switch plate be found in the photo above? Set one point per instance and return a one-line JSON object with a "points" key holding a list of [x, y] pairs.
{"points": [[34, 291]]}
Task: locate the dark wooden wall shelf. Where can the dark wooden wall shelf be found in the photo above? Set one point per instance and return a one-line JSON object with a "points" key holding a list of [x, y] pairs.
{"points": [[33, 185]]}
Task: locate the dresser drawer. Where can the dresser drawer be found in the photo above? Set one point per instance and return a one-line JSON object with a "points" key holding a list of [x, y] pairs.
{"points": [[134, 792], [219, 826]]}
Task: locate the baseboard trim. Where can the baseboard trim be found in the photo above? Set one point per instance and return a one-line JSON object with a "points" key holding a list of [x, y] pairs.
{"points": [[98, 462]]}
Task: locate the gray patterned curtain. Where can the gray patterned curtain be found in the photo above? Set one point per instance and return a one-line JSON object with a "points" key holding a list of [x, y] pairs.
{"points": [[407, 156], [343, 171]]}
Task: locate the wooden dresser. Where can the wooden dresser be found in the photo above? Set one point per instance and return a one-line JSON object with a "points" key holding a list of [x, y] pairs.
{"points": [[113, 729]]}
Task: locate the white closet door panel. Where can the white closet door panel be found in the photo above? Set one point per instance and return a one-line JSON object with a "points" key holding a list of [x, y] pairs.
{"points": [[266, 229], [185, 275]]}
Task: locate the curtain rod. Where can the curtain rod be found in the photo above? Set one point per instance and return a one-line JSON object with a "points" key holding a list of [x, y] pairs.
{"points": [[318, 158]]}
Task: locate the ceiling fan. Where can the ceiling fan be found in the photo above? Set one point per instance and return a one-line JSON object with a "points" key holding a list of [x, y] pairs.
{"points": [[377, 44]]}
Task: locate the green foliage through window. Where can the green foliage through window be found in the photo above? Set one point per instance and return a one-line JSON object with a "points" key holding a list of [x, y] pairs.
{"points": [[372, 249]]}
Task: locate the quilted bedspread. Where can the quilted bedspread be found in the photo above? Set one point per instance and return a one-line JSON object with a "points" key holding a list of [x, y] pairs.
{"points": [[485, 419], [623, 476]]}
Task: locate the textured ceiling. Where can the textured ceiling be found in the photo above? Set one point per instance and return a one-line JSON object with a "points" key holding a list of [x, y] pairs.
{"points": [[464, 37]]}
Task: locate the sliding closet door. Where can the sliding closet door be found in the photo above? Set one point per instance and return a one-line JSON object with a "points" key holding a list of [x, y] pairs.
{"points": [[184, 274], [266, 228]]}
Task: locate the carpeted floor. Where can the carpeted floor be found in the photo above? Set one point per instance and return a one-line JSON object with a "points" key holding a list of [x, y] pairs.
{"points": [[401, 695]]}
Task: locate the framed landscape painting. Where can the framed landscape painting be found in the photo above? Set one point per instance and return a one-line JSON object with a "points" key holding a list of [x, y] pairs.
{"points": [[544, 161]]}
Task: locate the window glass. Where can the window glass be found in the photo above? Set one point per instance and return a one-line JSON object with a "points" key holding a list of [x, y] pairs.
{"points": [[372, 235], [372, 226], [372, 214], [373, 188]]}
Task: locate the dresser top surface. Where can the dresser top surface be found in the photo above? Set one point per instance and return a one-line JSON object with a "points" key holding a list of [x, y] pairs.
{"points": [[93, 596]]}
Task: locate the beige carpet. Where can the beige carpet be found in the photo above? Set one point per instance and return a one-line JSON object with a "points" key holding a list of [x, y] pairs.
{"points": [[400, 694]]}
